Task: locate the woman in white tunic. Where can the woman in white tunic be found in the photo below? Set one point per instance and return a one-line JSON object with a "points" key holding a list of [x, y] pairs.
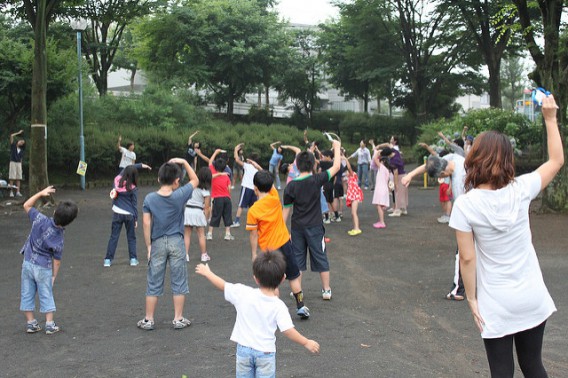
{"points": [[501, 273]]}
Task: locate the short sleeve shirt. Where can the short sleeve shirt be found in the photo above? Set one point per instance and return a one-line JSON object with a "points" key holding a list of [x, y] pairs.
{"points": [[258, 316], [265, 216], [128, 157], [167, 211], [16, 154], [275, 158], [219, 185], [304, 194], [458, 175], [511, 292], [45, 241]]}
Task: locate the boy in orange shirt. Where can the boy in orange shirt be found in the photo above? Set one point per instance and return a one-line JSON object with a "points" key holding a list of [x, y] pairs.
{"points": [[269, 232]]}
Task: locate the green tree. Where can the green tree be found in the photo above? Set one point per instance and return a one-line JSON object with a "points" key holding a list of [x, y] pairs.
{"points": [[225, 47], [513, 79], [551, 71], [303, 77], [107, 22], [358, 51], [487, 23]]}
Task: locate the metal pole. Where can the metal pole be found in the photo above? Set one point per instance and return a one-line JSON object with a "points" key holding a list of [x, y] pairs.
{"points": [[80, 79]]}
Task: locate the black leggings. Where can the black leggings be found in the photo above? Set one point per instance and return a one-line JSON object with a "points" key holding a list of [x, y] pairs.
{"points": [[529, 347]]}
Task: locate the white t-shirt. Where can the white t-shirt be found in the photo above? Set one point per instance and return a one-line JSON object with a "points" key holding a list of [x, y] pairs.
{"points": [[258, 316], [458, 175], [248, 176], [128, 158], [511, 293]]}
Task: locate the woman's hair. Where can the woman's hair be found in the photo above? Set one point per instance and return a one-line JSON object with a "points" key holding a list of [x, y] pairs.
{"points": [[204, 175], [490, 161], [129, 179]]}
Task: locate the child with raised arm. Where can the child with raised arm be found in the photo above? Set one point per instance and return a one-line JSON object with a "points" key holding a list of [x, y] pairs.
{"points": [[259, 313], [163, 235], [268, 230], [42, 258], [247, 197], [197, 211]]}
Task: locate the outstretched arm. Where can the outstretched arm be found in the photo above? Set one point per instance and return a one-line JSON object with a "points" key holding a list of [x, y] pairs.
{"points": [[190, 139], [255, 164], [297, 337], [193, 180], [118, 143], [294, 149], [13, 135], [427, 147], [555, 160], [273, 145], [336, 158], [33, 199], [200, 154], [417, 171], [236, 154], [214, 156], [205, 271]]}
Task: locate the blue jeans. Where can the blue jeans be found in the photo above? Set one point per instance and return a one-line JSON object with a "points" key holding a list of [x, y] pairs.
{"points": [[36, 279], [272, 169], [363, 173], [252, 363], [164, 249], [129, 224]]}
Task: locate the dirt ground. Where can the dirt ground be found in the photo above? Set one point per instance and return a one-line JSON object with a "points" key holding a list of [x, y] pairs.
{"points": [[388, 316]]}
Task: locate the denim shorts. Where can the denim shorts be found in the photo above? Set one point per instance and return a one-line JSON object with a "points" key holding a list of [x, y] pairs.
{"points": [[252, 363], [292, 270], [164, 249], [36, 279], [312, 239]]}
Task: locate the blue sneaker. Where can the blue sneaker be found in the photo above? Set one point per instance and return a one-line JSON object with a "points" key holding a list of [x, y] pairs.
{"points": [[33, 327], [303, 312], [107, 262], [133, 262], [51, 328]]}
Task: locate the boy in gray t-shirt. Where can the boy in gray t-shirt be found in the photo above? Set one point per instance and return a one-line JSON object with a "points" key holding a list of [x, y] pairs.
{"points": [[163, 235]]}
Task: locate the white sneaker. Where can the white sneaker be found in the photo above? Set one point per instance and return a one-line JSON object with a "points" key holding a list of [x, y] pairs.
{"points": [[209, 236], [444, 219], [229, 237], [395, 213], [205, 257], [11, 194], [403, 212]]}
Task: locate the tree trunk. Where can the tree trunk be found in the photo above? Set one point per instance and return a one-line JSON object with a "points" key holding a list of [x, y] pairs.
{"points": [[267, 97], [38, 152], [494, 68]]}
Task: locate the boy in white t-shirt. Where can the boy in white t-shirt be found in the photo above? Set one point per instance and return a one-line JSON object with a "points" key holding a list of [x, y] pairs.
{"points": [[247, 198], [128, 155], [259, 312]]}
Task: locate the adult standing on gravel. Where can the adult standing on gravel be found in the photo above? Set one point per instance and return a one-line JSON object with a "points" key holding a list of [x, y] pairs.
{"points": [[505, 289]]}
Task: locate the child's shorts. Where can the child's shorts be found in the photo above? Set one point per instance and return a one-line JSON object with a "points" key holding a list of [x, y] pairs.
{"points": [[328, 192], [311, 238], [221, 209], [292, 270], [252, 362], [36, 279], [443, 194], [164, 249], [247, 198]]}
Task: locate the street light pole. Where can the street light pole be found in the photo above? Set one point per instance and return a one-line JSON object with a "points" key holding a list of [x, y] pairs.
{"points": [[79, 26]]}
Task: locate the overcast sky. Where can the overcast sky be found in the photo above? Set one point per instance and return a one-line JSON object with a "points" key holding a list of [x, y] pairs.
{"points": [[311, 12]]}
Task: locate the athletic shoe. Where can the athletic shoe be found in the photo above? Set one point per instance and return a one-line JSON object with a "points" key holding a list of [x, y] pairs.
{"points": [[366, 188], [182, 323], [326, 294], [278, 188], [404, 212], [107, 263], [390, 210], [11, 194], [354, 232], [51, 328], [205, 257], [454, 297], [303, 312], [235, 224], [133, 262], [229, 237], [187, 258], [209, 236], [33, 327], [379, 225], [326, 221], [338, 219], [444, 219], [232, 187], [145, 324], [396, 213], [18, 194]]}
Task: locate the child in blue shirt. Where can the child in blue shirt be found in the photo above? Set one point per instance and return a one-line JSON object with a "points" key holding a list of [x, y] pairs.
{"points": [[42, 258]]}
